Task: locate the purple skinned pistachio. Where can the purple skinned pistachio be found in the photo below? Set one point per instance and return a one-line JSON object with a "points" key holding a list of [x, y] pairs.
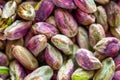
{"points": [[8, 49], [101, 17], [87, 60], [25, 57], [17, 30], [82, 38], [42, 73], [66, 70], [67, 4], [44, 28], [113, 13], [53, 57], [108, 46], [37, 44], [87, 6], [83, 17], [116, 75], [117, 62], [66, 23], [3, 60], [96, 33], [63, 43], [43, 9], [16, 71]]}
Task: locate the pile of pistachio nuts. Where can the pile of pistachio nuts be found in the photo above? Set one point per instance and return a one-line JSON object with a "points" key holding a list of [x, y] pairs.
{"points": [[59, 39]]}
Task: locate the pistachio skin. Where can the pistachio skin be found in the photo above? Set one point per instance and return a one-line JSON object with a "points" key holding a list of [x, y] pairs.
{"points": [[63, 43], [66, 23], [117, 62], [107, 70], [67, 4], [43, 9], [4, 72], [42, 73], [26, 11], [3, 60], [87, 6], [25, 57], [116, 75], [108, 46], [87, 60], [102, 2], [37, 44]]}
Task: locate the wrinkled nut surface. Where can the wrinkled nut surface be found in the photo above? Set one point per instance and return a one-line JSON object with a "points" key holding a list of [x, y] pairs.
{"points": [[96, 33], [67, 4], [44, 28], [41, 73], [87, 6], [87, 60], [81, 74], [37, 44], [82, 38], [25, 57], [107, 70], [9, 48], [17, 30], [116, 75], [66, 23], [9, 9], [63, 43], [26, 11], [43, 9], [66, 71], [108, 46], [53, 57], [101, 17], [113, 13], [16, 71], [51, 20], [83, 17]]}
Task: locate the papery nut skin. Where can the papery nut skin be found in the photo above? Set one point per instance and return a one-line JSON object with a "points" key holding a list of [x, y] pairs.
{"points": [[4, 72], [17, 30], [26, 11], [96, 33], [16, 71], [117, 62], [115, 32], [8, 49], [108, 46], [3, 60], [102, 2], [82, 38], [83, 17], [116, 75], [87, 60], [9, 9], [99, 55], [41, 73], [53, 57], [37, 44], [101, 17], [66, 71], [65, 22], [87, 6], [25, 57], [67, 4], [63, 43], [113, 13], [43, 10], [44, 28], [107, 70], [81, 74]]}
